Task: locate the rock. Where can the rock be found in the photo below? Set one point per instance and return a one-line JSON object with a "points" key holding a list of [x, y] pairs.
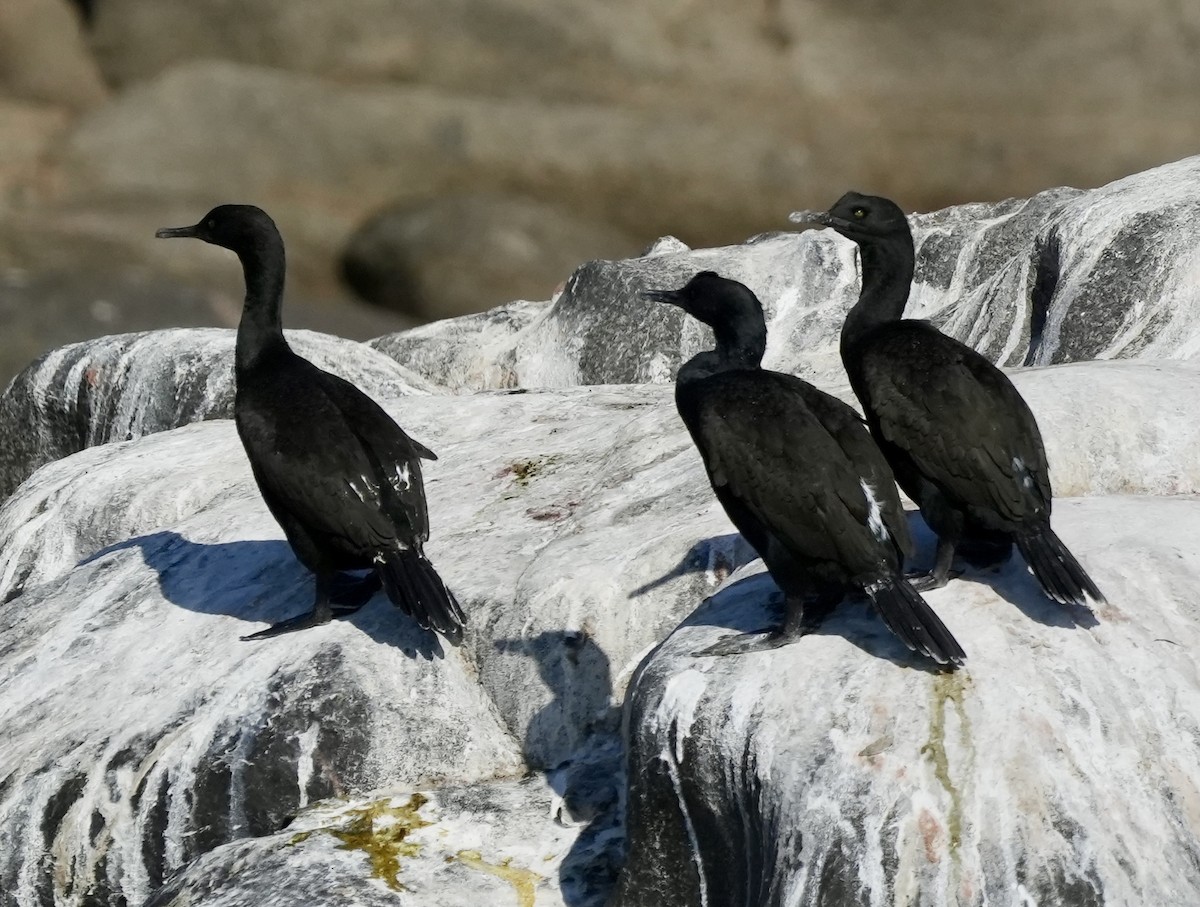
{"points": [[1064, 276], [1118, 84], [577, 529], [27, 131], [461, 254], [495, 843], [129, 569], [324, 154], [129, 385], [43, 56], [820, 774], [467, 353], [48, 308]]}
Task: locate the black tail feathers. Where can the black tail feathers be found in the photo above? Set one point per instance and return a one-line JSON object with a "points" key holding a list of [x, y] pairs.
{"points": [[909, 616], [1056, 568], [413, 585]]}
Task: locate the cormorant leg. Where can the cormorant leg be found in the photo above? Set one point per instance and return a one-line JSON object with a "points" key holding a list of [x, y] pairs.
{"points": [[940, 574], [803, 615], [320, 613]]}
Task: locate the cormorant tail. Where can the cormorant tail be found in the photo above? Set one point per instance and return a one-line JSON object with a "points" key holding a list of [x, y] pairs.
{"points": [[413, 585], [910, 618], [1056, 569]]}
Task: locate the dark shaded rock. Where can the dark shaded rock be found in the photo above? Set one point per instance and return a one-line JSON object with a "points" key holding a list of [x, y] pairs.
{"points": [[125, 386], [466, 253]]}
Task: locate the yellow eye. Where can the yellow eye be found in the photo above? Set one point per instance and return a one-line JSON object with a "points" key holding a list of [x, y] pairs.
{"points": [[860, 212]]}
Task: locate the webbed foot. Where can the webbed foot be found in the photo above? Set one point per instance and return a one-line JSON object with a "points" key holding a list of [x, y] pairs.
{"points": [[926, 582], [291, 625]]}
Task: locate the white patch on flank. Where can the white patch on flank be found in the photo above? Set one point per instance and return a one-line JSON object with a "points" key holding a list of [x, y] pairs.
{"points": [[359, 492], [875, 515], [403, 474]]}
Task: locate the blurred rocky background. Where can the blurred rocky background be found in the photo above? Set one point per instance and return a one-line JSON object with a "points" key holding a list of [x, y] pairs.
{"points": [[427, 158]]}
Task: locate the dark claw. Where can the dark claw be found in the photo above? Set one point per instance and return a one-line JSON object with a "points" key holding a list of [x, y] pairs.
{"points": [[291, 625]]}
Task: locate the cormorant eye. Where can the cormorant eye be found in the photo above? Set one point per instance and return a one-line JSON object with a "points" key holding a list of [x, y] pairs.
{"points": [[860, 213]]}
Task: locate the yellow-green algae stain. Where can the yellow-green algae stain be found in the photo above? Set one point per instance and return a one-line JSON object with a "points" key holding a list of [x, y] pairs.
{"points": [[524, 881], [524, 470], [948, 688], [379, 830]]}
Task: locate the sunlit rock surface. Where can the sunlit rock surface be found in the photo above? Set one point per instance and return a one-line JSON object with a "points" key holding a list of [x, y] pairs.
{"points": [[501, 844], [138, 732], [1058, 767], [1064, 276], [578, 530], [128, 385]]}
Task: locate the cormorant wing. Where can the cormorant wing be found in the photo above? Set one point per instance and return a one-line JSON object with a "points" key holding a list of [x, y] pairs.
{"points": [[767, 451], [393, 455], [334, 465], [850, 431], [958, 417]]}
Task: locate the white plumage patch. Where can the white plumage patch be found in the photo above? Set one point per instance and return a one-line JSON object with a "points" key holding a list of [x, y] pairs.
{"points": [[874, 514], [403, 475], [1023, 471]]}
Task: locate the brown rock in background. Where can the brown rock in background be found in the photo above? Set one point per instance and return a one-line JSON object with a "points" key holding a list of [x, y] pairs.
{"points": [[465, 253], [43, 56], [701, 119]]}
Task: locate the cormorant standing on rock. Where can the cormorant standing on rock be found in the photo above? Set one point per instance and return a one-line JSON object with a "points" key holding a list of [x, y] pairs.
{"points": [[799, 476], [962, 442], [340, 477]]}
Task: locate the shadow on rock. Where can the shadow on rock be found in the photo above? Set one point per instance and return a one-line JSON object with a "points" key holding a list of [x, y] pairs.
{"points": [[718, 556], [258, 581], [754, 604], [1012, 580], [580, 722]]}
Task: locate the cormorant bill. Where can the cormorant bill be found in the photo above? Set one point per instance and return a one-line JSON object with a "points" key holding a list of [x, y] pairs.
{"points": [[799, 476], [962, 442], [342, 479]]}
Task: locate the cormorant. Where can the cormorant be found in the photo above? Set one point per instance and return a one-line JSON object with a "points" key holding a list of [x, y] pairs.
{"points": [[340, 477], [962, 442], [799, 476]]}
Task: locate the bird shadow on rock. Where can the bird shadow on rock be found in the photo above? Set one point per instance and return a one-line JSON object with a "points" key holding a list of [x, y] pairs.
{"points": [[719, 555], [1012, 580], [261, 580], [755, 604], [575, 740]]}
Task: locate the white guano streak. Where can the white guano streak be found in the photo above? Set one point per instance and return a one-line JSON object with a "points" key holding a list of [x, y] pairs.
{"points": [[875, 514]]}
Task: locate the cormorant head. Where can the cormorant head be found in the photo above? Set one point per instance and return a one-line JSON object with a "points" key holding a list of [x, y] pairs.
{"points": [[240, 228], [713, 299], [858, 217]]}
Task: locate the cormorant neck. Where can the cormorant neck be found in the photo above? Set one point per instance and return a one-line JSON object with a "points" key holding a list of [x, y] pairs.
{"points": [[740, 345], [887, 273], [261, 325]]}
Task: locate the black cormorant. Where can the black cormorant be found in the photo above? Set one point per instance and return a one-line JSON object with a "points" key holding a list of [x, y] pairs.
{"points": [[341, 478], [962, 442], [799, 476]]}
